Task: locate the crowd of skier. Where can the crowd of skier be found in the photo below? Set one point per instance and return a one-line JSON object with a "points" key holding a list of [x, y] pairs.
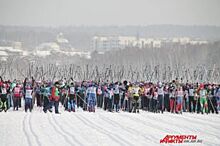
{"points": [[175, 96]]}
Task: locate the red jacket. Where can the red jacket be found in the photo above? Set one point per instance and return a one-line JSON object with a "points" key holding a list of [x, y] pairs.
{"points": [[53, 96]]}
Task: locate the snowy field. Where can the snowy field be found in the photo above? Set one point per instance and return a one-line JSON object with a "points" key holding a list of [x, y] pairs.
{"points": [[18, 128]]}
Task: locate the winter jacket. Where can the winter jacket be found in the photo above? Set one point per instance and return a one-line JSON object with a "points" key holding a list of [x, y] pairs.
{"points": [[54, 94], [46, 91], [17, 92]]}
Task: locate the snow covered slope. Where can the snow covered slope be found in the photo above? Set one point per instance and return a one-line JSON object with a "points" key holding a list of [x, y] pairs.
{"points": [[18, 128]]}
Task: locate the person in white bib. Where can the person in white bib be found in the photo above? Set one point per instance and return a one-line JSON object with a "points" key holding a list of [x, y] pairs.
{"points": [[28, 98]]}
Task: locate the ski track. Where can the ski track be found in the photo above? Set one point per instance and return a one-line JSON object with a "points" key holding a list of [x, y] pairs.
{"points": [[60, 132], [41, 120], [24, 123], [107, 128], [126, 128], [156, 126], [113, 133], [184, 127], [86, 123], [73, 128], [165, 122], [195, 118], [117, 139], [195, 130], [180, 129], [204, 117], [90, 130], [162, 123], [187, 119], [66, 132], [147, 124], [32, 131], [117, 124]]}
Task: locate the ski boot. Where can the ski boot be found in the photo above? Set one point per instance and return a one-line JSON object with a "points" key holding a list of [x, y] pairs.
{"points": [[50, 110]]}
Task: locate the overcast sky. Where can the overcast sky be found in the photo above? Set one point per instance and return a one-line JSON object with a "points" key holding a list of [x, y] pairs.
{"points": [[109, 12]]}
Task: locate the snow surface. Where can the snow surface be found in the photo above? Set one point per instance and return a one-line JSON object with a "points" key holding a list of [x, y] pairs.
{"points": [[18, 128]]}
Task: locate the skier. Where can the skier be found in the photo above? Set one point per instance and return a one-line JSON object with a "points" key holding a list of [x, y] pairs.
{"points": [[116, 96], [218, 98], [160, 97], [210, 97], [81, 94], [17, 94], [122, 96], [148, 96], [154, 100], [10, 95], [126, 96], [110, 94], [166, 98], [99, 97], [71, 98], [124, 92], [28, 98], [87, 92], [46, 92], [203, 99], [142, 97], [151, 94], [130, 97], [215, 98], [105, 97], [186, 101], [91, 92], [136, 90], [63, 90], [38, 94], [3, 98], [192, 102], [179, 98], [55, 97], [172, 99]]}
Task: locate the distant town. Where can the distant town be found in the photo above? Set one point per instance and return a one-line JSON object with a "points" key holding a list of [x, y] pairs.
{"points": [[99, 43]]}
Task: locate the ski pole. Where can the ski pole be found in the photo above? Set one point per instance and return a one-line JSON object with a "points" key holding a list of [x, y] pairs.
{"points": [[81, 98], [197, 98], [174, 105]]}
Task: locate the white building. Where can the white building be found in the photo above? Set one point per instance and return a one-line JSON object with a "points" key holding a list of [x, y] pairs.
{"points": [[127, 41], [6, 51], [48, 46], [113, 42], [3, 56], [187, 40], [103, 43]]}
